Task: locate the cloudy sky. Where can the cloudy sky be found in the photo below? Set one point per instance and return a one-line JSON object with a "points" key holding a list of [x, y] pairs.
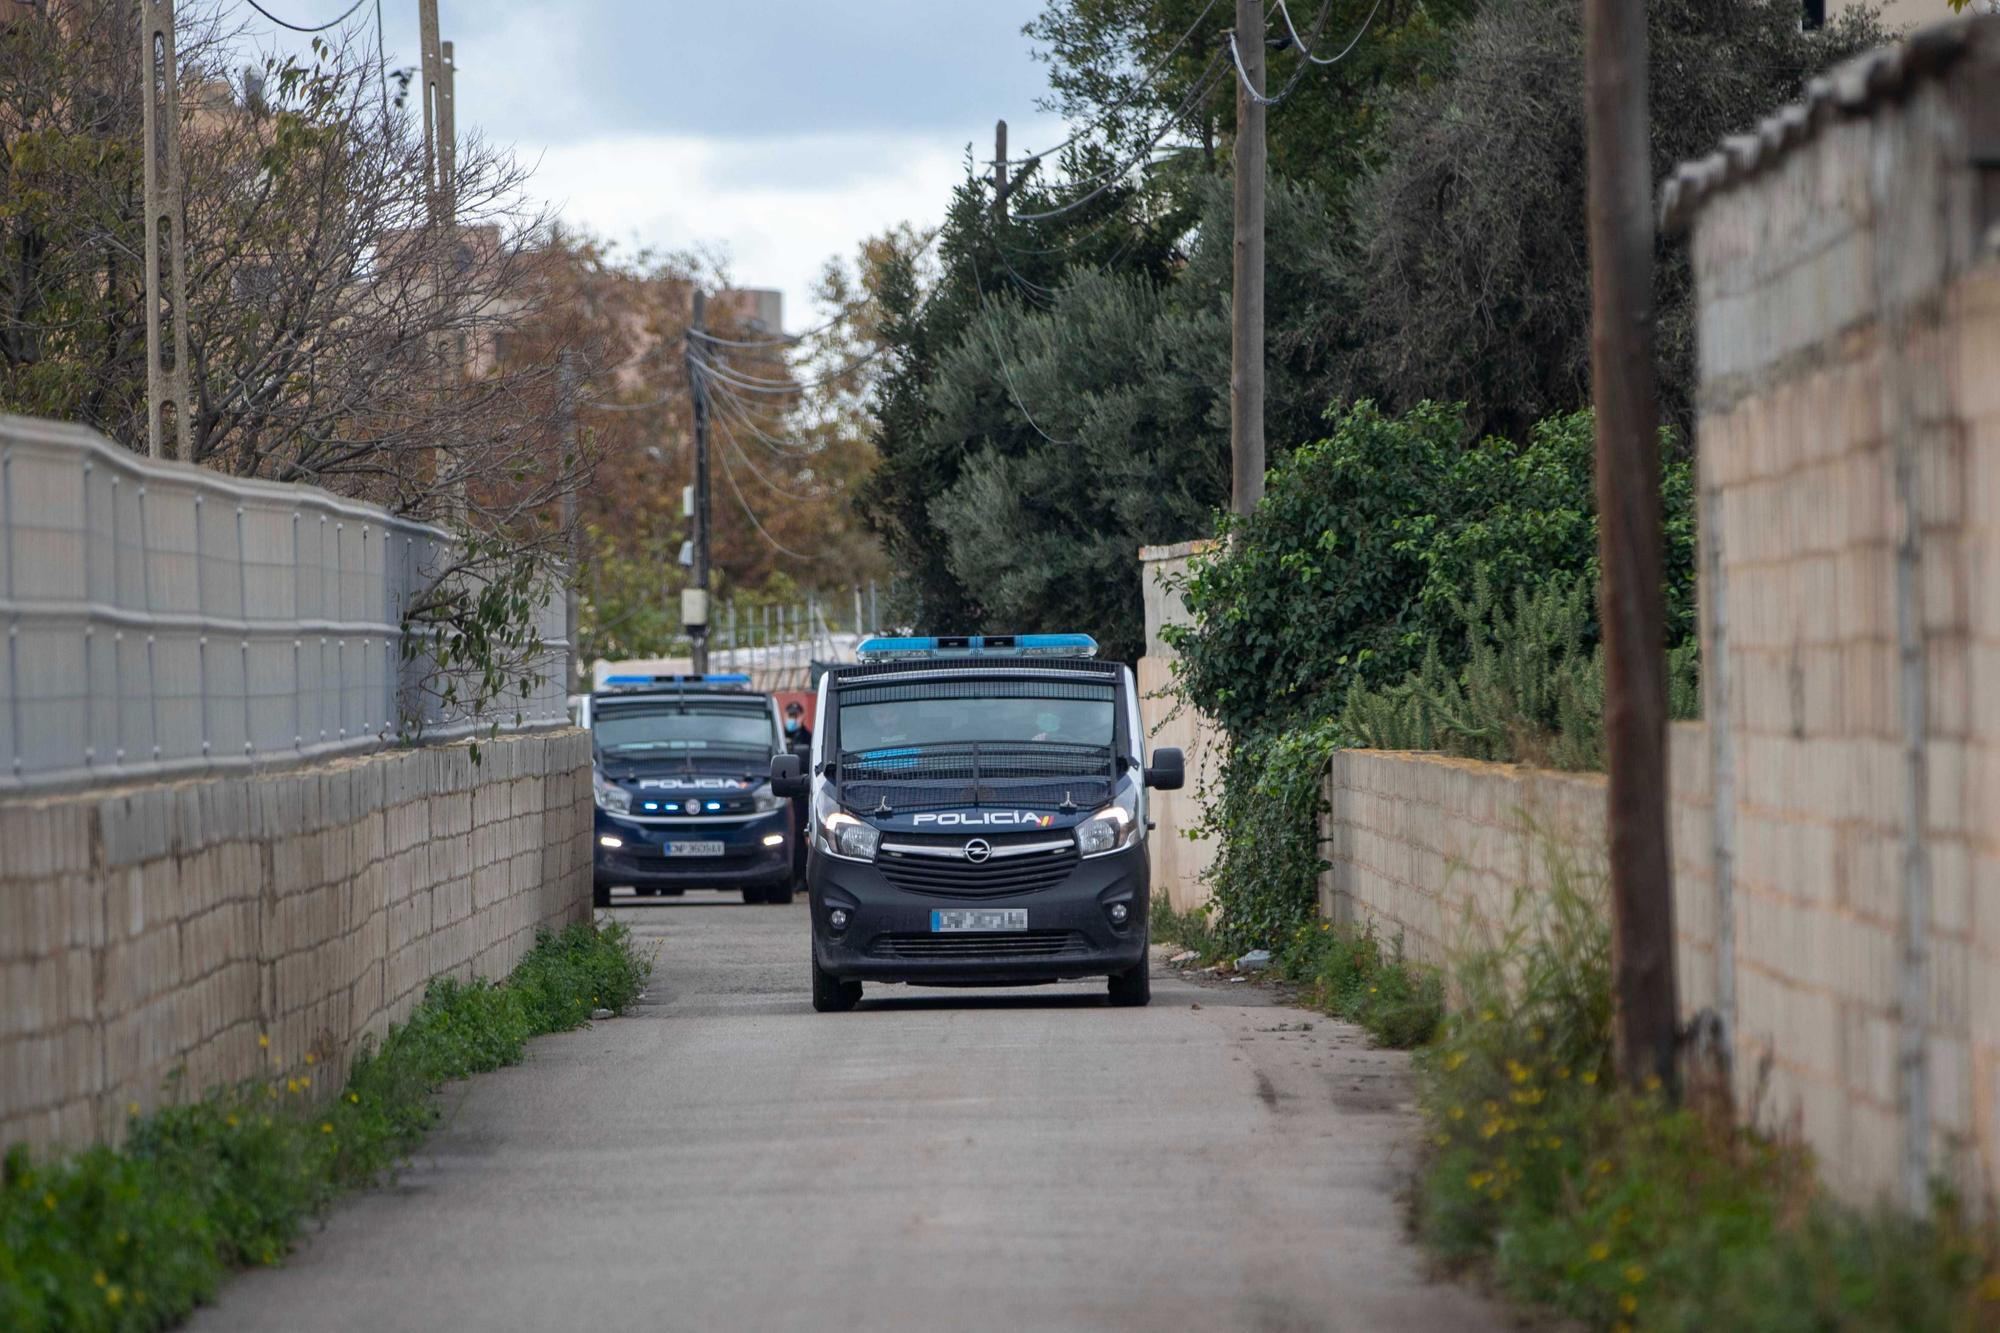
{"points": [[778, 131]]}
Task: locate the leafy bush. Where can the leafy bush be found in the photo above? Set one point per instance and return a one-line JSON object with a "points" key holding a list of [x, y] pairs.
{"points": [[1265, 811], [1369, 545], [134, 1238], [1531, 690], [1626, 1211]]}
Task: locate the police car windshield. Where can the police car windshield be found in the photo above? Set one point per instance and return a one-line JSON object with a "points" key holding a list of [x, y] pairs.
{"points": [[636, 727], [920, 722]]}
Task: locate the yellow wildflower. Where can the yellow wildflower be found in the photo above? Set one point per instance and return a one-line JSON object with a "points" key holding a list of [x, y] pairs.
{"points": [[1599, 1251], [114, 1295], [1652, 1083], [131, 1108], [1588, 1076], [1554, 1142], [354, 1097], [305, 1082], [310, 1057], [1454, 1060], [1528, 1096], [1456, 1113], [1989, 1290], [1491, 1108], [1478, 1179], [1628, 1302], [230, 1120], [1602, 1166], [1563, 1073], [291, 1085], [49, 1202], [1490, 1128], [1634, 1274], [326, 1127], [99, 1278]]}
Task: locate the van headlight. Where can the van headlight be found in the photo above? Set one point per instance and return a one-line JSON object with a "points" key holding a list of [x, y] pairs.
{"points": [[764, 801], [611, 798], [840, 834], [1111, 829]]}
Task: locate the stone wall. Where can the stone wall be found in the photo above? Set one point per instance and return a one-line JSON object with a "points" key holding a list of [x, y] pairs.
{"points": [[151, 935], [1179, 861]]}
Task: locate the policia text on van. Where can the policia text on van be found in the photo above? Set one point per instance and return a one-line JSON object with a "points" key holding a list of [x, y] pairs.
{"points": [[978, 817]]}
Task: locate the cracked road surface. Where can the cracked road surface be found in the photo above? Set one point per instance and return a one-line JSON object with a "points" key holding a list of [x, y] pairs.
{"points": [[724, 1158]]}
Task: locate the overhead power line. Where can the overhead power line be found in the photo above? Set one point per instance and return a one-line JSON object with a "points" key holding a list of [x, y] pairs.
{"points": [[1144, 81], [1113, 175], [1306, 50], [300, 27]]}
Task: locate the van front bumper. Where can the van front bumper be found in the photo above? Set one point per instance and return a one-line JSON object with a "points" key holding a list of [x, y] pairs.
{"points": [[889, 930], [642, 860]]}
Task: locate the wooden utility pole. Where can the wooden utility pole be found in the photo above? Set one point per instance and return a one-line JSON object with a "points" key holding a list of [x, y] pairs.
{"points": [[1000, 170], [1629, 537], [694, 606], [1246, 307], [167, 406]]}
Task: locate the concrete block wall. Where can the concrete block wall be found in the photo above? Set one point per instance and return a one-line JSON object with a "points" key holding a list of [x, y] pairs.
{"points": [[150, 936], [1849, 432], [1180, 857], [1448, 854]]}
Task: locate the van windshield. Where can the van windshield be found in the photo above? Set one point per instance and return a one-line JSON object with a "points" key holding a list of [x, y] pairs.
{"points": [[635, 727], [976, 712]]}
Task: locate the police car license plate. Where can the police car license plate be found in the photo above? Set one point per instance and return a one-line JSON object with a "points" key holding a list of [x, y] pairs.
{"points": [[979, 918], [692, 848]]}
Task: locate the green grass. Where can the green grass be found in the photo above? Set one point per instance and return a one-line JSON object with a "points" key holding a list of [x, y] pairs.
{"points": [[134, 1238], [1343, 972], [1628, 1212]]}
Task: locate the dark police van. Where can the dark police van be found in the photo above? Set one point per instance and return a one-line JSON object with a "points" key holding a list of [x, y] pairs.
{"points": [[681, 774], [978, 817]]}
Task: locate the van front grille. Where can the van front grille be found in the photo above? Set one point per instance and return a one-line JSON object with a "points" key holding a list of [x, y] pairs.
{"points": [[1003, 944], [945, 877]]}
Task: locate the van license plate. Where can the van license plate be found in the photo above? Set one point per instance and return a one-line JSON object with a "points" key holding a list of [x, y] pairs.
{"points": [[980, 918], [692, 848]]}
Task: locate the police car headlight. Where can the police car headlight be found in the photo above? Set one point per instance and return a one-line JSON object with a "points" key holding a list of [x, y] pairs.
{"points": [[764, 802], [841, 834], [611, 798], [1112, 829]]}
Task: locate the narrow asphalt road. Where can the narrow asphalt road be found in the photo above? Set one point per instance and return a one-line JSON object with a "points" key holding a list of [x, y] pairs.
{"points": [[724, 1158]]}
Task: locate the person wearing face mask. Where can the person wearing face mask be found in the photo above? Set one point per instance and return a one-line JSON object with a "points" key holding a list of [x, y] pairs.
{"points": [[798, 739], [798, 736]]}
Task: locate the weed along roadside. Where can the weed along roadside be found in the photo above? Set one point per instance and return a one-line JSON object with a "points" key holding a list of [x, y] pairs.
{"points": [[1616, 1207], [135, 1237]]}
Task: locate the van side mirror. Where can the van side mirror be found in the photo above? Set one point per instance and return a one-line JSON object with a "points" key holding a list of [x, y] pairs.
{"points": [[1168, 771], [788, 775]]}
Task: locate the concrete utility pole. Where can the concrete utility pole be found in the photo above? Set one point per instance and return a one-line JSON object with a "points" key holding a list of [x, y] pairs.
{"points": [[1629, 537], [694, 603], [1246, 307], [1000, 170], [167, 405], [572, 545], [430, 95]]}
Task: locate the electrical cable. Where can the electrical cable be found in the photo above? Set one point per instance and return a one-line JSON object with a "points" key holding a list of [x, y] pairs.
{"points": [[299, 27], [1202, 89], [1306, 51], [1144, 80], [794, 339], [782, 388], [751, 514]]}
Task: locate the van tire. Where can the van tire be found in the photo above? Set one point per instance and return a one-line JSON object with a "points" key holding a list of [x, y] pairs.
{"points": [[1133, 988], [831, 995], [779, 894], [600, 893]]}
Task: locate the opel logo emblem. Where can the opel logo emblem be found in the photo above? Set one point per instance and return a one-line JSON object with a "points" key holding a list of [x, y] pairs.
{"points": [[692, 807], [977, 850]]}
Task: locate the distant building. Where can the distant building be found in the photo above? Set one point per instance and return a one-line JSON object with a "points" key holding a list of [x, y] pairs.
{"points": [[1898, 16]]}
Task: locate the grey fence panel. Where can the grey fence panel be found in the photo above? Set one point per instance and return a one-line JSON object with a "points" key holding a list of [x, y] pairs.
{"points": [[163, 619]]}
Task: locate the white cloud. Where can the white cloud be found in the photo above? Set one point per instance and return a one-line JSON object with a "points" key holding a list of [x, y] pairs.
{"points": [[776, 219]]}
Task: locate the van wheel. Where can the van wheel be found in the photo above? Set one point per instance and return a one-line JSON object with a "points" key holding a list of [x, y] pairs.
{"points": [[831, 995], [754, 894], [779, 893], [600, 893], [1132, 988]]}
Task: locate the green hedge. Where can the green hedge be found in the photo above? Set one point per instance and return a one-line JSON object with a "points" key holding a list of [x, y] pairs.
{"points": [[134, 1238]]}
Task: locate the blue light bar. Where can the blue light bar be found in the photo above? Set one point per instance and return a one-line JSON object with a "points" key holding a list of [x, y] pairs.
{"points": [[977, 645], [713, 678]]}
